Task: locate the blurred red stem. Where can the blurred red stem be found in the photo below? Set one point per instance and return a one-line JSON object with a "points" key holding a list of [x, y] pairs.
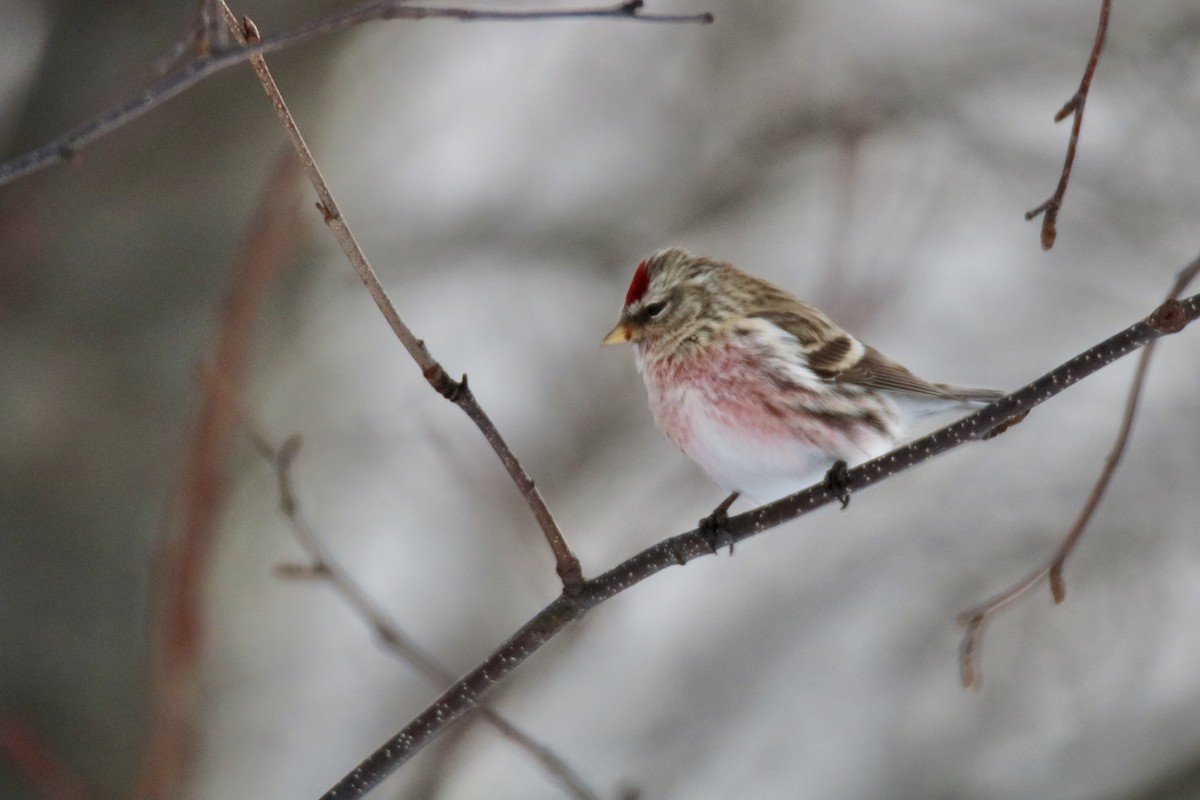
{"points": [[268, 245]]}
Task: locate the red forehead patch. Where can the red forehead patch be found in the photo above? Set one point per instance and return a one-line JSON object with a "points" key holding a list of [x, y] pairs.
{"points": [[639, 284]]}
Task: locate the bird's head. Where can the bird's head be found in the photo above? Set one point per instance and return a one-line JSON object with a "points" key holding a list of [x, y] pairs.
{"points": [[669, 301]]}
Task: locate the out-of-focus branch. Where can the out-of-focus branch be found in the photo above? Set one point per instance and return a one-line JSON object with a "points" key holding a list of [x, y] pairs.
{"points": [[323, 565], [207, 63], [464, 695], [210, 31], [976, 619], [269, 244], [457, 392], [847, 169], [27, 753], [1074, 107]]}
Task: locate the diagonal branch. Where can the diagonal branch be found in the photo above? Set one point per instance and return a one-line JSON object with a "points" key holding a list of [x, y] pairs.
{"points": [[67, 146], [324, 565], [976, 619], [457, 392], [1074, 107], [464, 695]]}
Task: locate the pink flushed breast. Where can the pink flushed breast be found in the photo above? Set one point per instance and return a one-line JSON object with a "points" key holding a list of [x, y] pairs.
{"points": [[743, 425], [728, 386], [720, 383]]}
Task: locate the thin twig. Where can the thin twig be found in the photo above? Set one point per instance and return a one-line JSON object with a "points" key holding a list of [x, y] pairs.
{"points": [[323, 565], [67, 146], [976, 619], [457, 392], [464, 695], [1074, 106]]}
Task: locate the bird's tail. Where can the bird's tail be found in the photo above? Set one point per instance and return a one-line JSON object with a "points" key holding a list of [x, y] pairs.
{"points": [[975, 397]]}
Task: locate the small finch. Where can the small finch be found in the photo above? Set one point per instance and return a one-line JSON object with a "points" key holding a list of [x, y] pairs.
{"points": [[764, 391]]}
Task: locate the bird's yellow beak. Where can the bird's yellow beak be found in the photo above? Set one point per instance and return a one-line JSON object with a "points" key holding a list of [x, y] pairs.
{"points": [[623, 332]]}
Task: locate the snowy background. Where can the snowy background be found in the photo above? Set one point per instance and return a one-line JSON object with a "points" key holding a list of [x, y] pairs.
{"points": [[874, 158]]}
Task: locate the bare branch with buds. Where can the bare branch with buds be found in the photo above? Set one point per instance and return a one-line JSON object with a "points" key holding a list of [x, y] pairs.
{"points": [[322, 565], [209, 61], [1073, 107], [1169, 317], [457, 392], [464, 695], [579, 595]]}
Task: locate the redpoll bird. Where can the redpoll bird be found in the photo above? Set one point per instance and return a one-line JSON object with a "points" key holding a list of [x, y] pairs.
{"points": [[761, 390]]}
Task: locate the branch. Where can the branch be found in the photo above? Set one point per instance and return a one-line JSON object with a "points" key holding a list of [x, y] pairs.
{"points": [[323, 565], [457, 392], [464, 695], [67, 146], [975, 619], [1074, 106]]}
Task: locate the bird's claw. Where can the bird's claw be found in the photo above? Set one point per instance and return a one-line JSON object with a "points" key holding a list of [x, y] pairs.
{"points": [[715, 527], [1003, 426], [837, 480]]}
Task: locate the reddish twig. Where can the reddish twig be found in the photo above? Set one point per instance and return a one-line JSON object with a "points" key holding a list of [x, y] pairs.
{"points": [[268, 245], [323, 565], [464, 695], [67, 146], [976, 619], [31, 758], [1074, 106], [457, 392]]}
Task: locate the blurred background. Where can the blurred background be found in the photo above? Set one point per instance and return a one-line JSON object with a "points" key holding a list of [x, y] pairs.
{"points": [[873, 157]]}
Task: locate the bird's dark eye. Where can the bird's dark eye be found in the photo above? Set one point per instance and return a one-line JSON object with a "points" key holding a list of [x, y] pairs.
{"points": [[654, 309]]}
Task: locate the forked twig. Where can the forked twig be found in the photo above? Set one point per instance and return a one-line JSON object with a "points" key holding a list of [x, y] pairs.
{"points": [[975, 619], [207, 63], [323, 565], [457, 392], [1074, 107], [464, 695]]}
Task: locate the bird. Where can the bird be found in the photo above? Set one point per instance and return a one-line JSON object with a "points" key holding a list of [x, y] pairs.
{"points": [[760, 389]]}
